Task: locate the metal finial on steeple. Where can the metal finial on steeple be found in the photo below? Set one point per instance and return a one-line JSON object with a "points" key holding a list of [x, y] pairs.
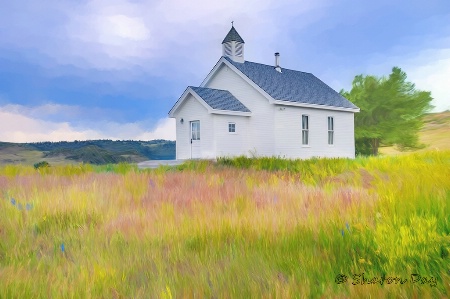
{"points": [[232, 23]]}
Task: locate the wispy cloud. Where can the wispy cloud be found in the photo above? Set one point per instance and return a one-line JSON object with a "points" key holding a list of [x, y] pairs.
{"points": [[25, 124], [433, 74], [119, 34]]}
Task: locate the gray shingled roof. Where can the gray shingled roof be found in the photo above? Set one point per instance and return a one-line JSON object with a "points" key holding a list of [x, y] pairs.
{"points": [[220, 99], [291, 86], [233, 36]]}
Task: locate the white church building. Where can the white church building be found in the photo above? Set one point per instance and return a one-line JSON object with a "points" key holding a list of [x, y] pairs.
{"points": [[252, 109]]}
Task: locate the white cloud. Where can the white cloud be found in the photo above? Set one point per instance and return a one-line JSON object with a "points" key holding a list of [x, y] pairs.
{"points": [[19, 125], [42, 111], [165, 129], [127, 28], [21, 128], [53, 112], [433, 74], [119, 34], [140, 39]]}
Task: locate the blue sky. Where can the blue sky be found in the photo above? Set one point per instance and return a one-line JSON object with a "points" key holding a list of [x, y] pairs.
{"points": [[113, 68]]}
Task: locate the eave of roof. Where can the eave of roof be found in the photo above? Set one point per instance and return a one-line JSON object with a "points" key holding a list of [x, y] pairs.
{"points": [[216, 101]]}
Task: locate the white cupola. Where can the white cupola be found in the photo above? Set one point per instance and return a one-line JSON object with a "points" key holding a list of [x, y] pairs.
{"points": [[233, 46]]}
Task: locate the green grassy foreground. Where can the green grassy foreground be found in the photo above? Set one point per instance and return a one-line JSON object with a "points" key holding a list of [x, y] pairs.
{"points": [[239, 228]]}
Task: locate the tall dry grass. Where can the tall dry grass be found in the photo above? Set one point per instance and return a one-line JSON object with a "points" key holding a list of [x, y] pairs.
{"points": [[238, 228]]}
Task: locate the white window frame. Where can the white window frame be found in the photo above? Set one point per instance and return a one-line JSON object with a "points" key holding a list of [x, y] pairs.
{"points": [[232, 125], [330, 123], [195, 134], [305, 130]]}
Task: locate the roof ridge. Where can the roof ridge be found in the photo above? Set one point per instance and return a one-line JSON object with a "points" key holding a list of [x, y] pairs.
{"points": [[268, 65]]}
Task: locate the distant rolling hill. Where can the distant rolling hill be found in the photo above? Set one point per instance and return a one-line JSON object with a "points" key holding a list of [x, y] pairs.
{"points": [[435, 134], [90, 151]]}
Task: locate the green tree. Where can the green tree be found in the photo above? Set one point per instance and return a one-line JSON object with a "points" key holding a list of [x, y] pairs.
{"points": [[391, 111]]}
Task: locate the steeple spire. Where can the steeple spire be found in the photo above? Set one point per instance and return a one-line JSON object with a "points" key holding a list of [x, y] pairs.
{"points": [[233, 45]]}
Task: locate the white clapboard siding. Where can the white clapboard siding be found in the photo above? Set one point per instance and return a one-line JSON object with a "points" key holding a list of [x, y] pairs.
{"points": [[231, 144], [260, 130], [288, 133], [192, 110]]}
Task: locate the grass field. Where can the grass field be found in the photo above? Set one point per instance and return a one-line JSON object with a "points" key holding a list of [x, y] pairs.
{"points": [[239, 228]]}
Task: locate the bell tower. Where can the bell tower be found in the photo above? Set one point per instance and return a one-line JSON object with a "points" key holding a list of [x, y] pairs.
{"points": [[233, 45]]}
